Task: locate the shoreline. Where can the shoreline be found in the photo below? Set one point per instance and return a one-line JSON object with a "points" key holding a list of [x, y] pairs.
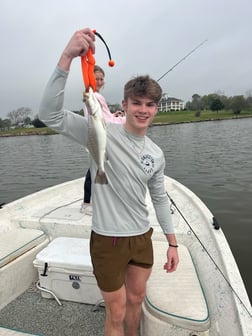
{"points": [[48, 131], [197, 121]]}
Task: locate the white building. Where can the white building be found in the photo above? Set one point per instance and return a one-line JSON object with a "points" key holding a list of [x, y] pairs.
{"points": [[170, 104]]}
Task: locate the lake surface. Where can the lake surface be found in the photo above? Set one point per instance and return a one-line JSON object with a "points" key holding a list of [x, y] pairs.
{"points": [[213, 159]]}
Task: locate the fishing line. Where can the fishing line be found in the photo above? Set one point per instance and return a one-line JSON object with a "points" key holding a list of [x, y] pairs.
{"points": [[209, 255], [111, 62], [182, 59]]}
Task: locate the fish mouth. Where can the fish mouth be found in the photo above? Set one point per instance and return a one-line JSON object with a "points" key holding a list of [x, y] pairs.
{"points": [[85, 96]]}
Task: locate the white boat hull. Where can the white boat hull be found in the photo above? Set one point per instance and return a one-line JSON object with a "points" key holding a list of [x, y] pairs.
{"points": [[55, 212]]}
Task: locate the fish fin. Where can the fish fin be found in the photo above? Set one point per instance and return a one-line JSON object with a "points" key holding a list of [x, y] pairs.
{"points": [[101, 178]]}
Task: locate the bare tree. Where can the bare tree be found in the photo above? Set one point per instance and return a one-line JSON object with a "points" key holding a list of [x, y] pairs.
{"points": [[20, 115]]}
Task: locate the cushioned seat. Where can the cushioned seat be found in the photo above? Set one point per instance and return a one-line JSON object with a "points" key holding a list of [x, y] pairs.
{"points": [[176, 298], [17, 241]]}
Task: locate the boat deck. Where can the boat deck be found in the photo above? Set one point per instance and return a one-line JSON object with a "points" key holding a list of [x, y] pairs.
{"points": [[56, 213], [33, 314]]}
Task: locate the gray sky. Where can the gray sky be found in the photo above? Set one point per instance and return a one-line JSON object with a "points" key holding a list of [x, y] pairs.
{"points": [[144, 37]]}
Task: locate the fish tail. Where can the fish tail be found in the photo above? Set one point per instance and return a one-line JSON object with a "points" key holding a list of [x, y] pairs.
{"points": [[101, 178]]}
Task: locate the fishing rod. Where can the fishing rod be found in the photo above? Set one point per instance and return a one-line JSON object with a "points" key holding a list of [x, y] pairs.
{"points": [[208, 253], [182, 59]]}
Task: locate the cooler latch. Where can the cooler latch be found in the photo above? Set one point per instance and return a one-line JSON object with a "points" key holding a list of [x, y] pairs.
{"points": [[45, 269]]}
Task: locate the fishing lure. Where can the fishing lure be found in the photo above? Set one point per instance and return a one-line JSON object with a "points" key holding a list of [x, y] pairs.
{"points": [[88, 63]]}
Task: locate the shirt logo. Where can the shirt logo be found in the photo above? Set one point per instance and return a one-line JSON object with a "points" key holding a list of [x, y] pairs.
{"points": [[147, 163]]}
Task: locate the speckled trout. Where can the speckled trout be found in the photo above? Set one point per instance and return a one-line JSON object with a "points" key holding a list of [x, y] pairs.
{"points": [[97, 134]]}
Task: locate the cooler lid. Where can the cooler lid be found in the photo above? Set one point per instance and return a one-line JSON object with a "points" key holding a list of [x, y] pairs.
{"points": [[66, 252]]}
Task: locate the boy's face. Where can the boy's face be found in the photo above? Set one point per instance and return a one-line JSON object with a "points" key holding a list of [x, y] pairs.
{"points": [[139, 112]]}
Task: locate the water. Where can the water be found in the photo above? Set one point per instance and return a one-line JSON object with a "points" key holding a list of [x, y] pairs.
{"points": [[214, 159], [31, 163]]}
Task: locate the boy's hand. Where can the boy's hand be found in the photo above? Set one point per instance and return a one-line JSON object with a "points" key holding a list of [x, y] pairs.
{"points": [[78, 45]]}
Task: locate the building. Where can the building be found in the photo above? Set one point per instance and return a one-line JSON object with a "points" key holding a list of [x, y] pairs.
{"points": [[170, 104]]}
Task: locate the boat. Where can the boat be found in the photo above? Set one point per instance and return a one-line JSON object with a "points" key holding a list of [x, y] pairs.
{"points": [[205, 296]]}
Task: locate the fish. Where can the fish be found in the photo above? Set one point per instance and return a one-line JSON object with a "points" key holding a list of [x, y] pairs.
{"points": [[97, 134]]}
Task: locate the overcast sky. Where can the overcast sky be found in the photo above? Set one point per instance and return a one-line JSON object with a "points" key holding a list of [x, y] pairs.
{"points": [[144, 37]]}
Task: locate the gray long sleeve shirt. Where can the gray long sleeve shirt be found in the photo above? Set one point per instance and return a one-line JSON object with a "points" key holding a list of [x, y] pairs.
{"points": [[133, 164]]}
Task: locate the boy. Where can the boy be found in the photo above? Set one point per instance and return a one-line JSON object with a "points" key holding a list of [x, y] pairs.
{"points": [[120, 242]]}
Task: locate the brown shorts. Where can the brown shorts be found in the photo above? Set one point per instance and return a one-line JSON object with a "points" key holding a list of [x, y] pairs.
{"points": [[110, 257]]}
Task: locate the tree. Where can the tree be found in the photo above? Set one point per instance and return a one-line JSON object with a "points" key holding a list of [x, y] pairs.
{"points": [[207, 100], [114, 107], [19, 115], [5, 123], [27, 121], [216, 105], [249, 98], [237, 104], [38, 123], [188, 105], [196, 102]]}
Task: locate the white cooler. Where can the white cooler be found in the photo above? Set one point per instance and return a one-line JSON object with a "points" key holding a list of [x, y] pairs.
{"points": [[65, 268]]}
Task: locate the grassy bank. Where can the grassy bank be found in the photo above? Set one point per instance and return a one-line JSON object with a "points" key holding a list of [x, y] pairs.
{"points": [[176, 117], [27, 131], [161, 118]]}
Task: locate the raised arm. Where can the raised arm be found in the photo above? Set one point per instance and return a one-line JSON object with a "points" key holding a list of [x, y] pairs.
{"points": [[52, 111]]}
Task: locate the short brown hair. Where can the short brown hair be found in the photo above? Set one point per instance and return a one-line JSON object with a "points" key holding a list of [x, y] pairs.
{"points": [[143, 86]]}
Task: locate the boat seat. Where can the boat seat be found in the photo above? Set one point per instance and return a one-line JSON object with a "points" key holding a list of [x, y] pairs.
{"points": [[18, 241], [176, 298]]}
